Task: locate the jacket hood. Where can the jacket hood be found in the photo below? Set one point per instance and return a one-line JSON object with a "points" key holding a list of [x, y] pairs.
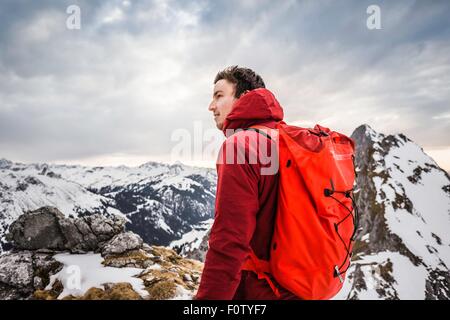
{"points": [[258, 106]]}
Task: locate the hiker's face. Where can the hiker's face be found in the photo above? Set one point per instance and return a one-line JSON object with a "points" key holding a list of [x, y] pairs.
{"points": [[222, 101]]}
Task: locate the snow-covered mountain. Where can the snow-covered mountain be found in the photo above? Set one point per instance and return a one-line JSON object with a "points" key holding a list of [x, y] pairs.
{"points": [[403, 250], [194, 244], [161, 202]]}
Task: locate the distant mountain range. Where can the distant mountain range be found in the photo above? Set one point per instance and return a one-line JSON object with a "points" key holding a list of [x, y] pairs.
{"points": [[160, 202]]}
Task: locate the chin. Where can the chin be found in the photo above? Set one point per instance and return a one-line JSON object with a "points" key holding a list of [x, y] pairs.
{"points": [[219, 126]]}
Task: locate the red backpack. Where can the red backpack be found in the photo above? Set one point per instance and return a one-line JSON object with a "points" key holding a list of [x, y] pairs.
{"points": [[316, 217]]}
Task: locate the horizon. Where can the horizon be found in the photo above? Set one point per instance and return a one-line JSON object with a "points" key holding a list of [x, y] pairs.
{"points": [[123, 160]]}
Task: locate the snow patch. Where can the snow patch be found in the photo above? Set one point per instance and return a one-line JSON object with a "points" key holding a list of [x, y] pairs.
{"points": [[84, 271], [409, 281], [192, 239]]}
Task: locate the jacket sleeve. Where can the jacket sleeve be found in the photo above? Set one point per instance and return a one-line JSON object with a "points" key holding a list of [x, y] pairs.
{"points": [[235, 219]]}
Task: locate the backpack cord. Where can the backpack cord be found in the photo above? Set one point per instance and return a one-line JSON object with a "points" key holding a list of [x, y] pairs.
{"points": [[355, 218], [336, 225]]}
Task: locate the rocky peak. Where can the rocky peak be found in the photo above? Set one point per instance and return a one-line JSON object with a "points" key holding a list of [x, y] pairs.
{"points": [[403, 199], [365, 130], [5, 164]]}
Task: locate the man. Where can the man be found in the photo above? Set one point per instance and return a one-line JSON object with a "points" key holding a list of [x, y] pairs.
{"points": [[245, 199]]}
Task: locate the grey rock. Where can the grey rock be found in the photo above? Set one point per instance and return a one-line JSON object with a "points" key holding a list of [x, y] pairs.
{"points": [[44, 265], [23, 272], [122, 243], [89, 238], [72, 236], [16, 269], [38, 229], [99, 226], [148, 263], [146, 247], [48, 229], [38, 283], [11, 293], [187, 277]]}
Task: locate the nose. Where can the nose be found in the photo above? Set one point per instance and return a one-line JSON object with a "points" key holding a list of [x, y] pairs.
{"points": [[212, 106]]}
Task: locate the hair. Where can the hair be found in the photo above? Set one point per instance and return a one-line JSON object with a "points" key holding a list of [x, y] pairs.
{"points": [[243, 78]]}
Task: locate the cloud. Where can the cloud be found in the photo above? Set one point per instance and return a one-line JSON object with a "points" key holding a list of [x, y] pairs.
{"points": [[138, 70]]}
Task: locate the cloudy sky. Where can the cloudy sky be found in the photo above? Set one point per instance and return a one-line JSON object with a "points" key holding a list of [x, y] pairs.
{"points": [[120, 89]]}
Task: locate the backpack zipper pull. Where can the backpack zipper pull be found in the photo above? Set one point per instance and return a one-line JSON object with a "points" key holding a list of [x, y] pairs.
{"points": [[338, 273]]}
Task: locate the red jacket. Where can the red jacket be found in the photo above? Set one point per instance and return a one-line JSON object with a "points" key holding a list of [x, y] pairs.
{"points": [[245, 209]]}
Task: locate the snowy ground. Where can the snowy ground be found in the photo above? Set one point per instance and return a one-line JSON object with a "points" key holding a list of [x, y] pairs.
{"points": [[84, 271], [409, 281], [192, 240]]}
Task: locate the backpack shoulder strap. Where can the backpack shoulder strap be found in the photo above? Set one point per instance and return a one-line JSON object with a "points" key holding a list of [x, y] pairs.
{"points": [[259, 131]]}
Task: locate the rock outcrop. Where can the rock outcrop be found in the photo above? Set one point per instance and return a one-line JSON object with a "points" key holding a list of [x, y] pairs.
{"points": [[47, 228], [23, 272], [30, 270]]}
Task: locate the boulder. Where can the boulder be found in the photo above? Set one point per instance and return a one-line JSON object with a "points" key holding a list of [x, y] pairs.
{"points": [[47, 228], [37, 229], [122, 243], [23, 272]]}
